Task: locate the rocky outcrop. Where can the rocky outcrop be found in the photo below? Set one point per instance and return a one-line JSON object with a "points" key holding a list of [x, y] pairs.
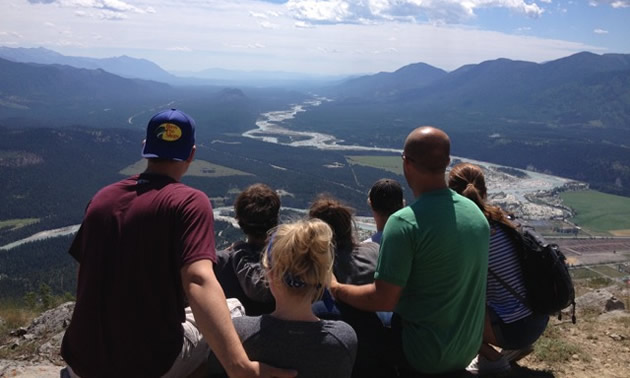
{"points": [[35, 349], [25, 369], [599, 301]]}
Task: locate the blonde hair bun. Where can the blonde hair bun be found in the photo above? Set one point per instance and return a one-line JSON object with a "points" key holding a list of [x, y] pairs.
{"points": [[301, 255]]}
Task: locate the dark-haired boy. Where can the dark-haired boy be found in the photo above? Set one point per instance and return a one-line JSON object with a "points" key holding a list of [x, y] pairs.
{"points": [[238, 267], [385, 198]]}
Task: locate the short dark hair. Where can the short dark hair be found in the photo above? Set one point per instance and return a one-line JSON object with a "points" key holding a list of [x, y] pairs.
{"points": [[257, 209], [386, 196]]}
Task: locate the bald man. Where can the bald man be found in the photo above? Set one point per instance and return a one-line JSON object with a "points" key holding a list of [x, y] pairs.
{"points": [[432, 267]]}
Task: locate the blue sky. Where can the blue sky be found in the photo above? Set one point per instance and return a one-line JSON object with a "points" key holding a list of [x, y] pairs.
{"points": [[314, 36]]}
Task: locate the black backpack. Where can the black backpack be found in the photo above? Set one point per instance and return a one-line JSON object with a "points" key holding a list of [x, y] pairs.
{"points": [[546, 275]]}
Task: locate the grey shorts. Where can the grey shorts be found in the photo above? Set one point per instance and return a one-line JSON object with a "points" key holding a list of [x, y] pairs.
{"points": [[195, 350]]}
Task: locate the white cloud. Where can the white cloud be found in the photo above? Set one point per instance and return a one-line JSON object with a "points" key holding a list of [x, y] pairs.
{"points": [[367, 11], [303, 25], [545, 1], [117, 5], [268, 25], [11, 34], [107, 9], [180, 48], [110, 15], [612, 3], [247, 46], [258, 15], [600, 31], [49, 24]]}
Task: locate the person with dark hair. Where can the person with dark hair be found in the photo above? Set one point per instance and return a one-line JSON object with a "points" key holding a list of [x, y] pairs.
{"points": [[238, 268], [354, 262], [298, 263], [432, 267], [146, 250], [509, 323], [385, 198]]}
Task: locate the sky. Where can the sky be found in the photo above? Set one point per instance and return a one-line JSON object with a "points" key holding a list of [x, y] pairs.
{"points": [[333, 37]]}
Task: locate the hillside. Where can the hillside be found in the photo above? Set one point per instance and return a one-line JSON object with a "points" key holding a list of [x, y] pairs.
{"points": [[539, 116], [384, 84], [63, 95], [597, 346], [124, 66]]}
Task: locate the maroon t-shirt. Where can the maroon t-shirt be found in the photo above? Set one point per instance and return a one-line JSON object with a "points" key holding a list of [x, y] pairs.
{"points": [[135, 237]]}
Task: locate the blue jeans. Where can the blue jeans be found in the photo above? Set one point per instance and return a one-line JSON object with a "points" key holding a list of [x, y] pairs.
{"points": [[518, 334]]}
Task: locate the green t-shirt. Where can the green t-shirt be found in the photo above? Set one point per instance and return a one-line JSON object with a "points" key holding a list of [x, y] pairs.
{"points": [[436, 249]]}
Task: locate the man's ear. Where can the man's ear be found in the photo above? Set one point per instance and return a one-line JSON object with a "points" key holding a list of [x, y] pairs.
{"points": [[192, 154]]}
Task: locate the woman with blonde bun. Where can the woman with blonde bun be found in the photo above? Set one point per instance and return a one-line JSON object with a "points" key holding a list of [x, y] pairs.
{"points": [[298, 261], [510, 324]]}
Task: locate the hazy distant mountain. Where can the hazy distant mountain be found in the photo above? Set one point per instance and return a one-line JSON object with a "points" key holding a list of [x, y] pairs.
{"points": [[494, 83], [122, 66], [412, 76], [67, 95], [144, 69], [220, 76], [503, 82]]}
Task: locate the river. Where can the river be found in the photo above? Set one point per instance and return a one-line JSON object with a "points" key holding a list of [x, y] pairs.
{"points": [[273, 127]]}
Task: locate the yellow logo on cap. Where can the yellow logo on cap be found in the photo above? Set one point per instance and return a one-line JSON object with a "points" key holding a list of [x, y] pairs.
{"points": [[169, 132]]}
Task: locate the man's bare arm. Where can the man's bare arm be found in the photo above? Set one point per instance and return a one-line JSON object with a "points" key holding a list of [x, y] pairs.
{"points": [[377, 296], [212, 315]]}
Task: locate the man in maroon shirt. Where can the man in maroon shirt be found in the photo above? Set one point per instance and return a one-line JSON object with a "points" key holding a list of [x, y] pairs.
{"points": [[146, 250]]}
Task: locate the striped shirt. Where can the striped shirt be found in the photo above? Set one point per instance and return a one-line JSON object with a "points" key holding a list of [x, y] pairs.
{"points": [[504, 262]]}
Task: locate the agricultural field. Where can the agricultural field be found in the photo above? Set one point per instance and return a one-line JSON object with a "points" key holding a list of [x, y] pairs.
{"points": [[600, 213], [198, 168], [608, 271], [14, 224], [589, 251], [387, 163], [583, 273]]}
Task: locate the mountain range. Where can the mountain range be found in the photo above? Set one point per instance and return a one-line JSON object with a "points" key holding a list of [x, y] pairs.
{"points": [[541, 116], [66, 131], [124, 66], [129, 67], [580, 86]]}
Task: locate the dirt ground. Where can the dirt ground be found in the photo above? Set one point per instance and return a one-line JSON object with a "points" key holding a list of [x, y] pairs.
{"points": [[598, 345]]}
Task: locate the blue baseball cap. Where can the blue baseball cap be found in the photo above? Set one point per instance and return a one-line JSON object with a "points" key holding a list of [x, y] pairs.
{"points": [[170, 135]]}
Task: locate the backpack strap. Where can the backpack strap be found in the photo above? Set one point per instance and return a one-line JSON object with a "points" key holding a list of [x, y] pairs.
{"points": [[509, 288]]}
